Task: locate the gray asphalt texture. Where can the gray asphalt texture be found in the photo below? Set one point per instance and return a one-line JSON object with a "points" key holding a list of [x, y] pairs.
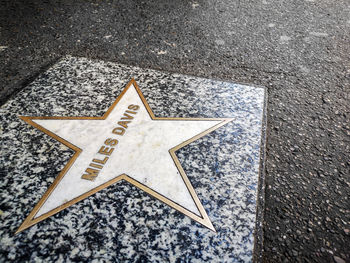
{"points": [[299, 50]]}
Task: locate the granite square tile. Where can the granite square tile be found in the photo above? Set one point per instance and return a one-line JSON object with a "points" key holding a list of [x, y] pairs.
{"points": [[146, 166]]}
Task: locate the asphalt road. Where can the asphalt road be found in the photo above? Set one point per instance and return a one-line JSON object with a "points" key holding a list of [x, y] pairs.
{"points": [[299, 50]]}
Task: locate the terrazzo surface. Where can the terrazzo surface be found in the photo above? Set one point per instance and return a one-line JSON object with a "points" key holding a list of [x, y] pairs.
{"points": [[121, 222]]}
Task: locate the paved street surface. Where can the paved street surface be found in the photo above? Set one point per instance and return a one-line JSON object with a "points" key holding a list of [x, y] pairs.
{"points": [[299, 50]]}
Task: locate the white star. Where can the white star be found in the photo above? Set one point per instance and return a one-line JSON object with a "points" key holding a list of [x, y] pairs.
{"points": [[127, 143]]}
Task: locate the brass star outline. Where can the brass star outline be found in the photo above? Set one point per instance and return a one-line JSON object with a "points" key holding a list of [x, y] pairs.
{"points": [[203, 219]]}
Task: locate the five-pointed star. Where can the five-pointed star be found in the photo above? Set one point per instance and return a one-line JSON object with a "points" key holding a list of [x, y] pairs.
{"points": [[127, 143]]}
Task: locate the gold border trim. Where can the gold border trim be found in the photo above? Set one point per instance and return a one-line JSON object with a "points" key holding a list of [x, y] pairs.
{"points": [[203, 219]]}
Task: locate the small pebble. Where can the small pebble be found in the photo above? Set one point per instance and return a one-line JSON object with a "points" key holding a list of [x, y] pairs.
{"points": [[338, 259]]}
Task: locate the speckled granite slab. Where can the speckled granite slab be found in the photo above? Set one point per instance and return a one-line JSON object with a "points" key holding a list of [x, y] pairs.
{"points": [[123, 221]]}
